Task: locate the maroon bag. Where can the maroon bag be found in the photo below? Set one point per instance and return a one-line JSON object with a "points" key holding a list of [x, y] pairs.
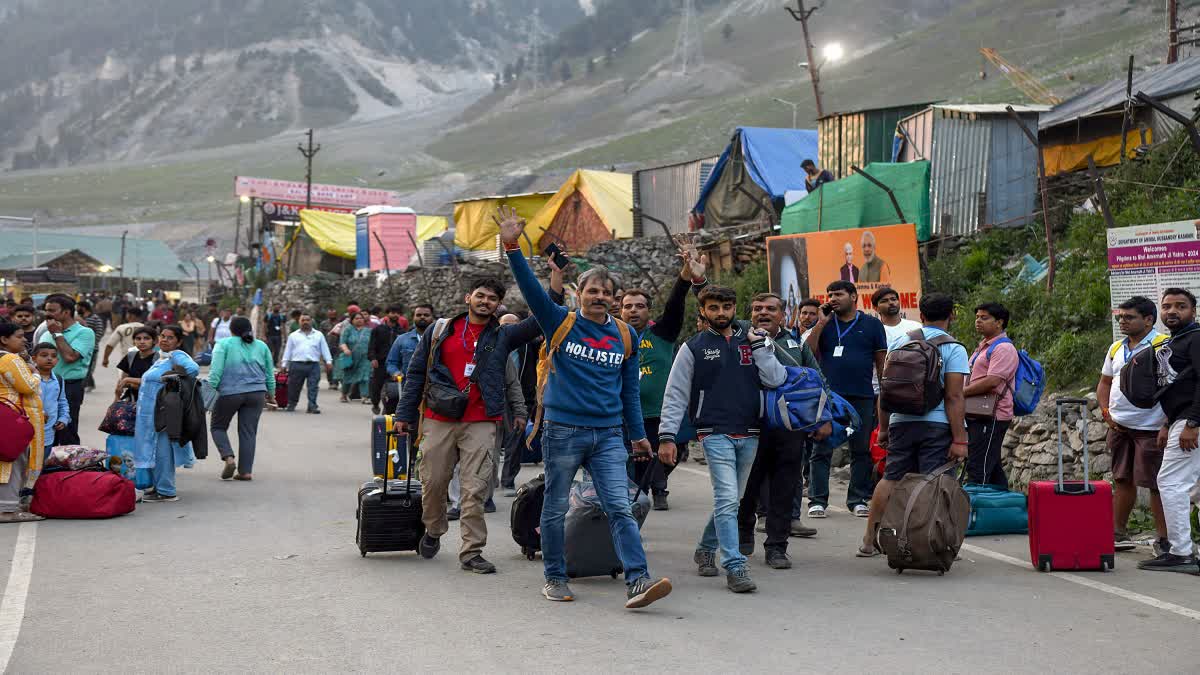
{"points": [[82, 494], [281, 388], [121, 417], [16, 431]]}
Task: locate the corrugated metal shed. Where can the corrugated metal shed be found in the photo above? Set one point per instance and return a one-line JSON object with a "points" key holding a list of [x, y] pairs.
{"points": [[1164, 81], [984, 170], [668, 193], [860, 137]]}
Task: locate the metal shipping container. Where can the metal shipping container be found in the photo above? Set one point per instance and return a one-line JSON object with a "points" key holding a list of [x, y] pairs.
{"points": [[668, 193], [860, 137]]}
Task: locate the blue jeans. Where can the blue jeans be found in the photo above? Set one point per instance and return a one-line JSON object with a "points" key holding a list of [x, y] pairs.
{"points": [[565, 448], [861, 487], [729, 462], [163, 473], [298, 374]]}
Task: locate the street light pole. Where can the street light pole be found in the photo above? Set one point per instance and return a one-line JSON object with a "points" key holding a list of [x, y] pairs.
{"points": [[814, 70], [794, 108]]}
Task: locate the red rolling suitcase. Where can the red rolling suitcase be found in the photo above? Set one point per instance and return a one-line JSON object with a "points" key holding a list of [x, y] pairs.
{"points": [[1071, 521]]}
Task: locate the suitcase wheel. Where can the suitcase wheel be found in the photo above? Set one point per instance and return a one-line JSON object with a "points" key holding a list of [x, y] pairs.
{"points": [[1044, 563], [1107, 563]]}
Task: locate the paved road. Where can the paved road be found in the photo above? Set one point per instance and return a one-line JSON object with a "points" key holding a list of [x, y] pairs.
{"points": [[265, 577]]}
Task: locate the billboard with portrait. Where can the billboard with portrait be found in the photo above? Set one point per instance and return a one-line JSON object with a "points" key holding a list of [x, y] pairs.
{"points": [[802, 265]]}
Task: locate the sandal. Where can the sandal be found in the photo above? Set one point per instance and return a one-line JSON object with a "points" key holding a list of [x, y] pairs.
{"points": [[20, 517], [864, 552], [228, 470]]}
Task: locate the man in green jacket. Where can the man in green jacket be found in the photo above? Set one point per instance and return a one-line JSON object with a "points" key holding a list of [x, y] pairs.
{"points": [[777, 474], [656, 353]]}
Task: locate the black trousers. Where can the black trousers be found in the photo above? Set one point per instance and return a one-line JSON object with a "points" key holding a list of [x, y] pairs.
{"points": [[379, 378], [985, 450], [70, 435], [659, 473], [275, 343], [778, 466], [514, 447]]}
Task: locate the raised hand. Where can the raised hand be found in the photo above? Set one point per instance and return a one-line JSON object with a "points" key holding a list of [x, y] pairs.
{"points": [[511, 225], [694, 263]]}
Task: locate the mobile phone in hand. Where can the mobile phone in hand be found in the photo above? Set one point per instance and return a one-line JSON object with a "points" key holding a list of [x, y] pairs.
{"points": [[555, 253]]}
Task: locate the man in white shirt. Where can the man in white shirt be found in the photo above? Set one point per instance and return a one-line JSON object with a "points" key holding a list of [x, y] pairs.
{"points": [[220, 327], [1132, 431], [305, 352], [121, 338], [887, 302]]}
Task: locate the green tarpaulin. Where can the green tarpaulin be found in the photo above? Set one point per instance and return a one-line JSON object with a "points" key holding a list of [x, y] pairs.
{"points": [[854, 201]]}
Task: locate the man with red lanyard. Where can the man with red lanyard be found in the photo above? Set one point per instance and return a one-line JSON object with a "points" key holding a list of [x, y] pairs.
{"points": [[456, 377], [993, 371]]}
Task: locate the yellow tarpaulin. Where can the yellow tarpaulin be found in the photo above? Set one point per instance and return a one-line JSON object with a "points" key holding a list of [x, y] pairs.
{"points": [[333, 233], [609, 194], [1106, 151], [473, 226], [429, 227]]}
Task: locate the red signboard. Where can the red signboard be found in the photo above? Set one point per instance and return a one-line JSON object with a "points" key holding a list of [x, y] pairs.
{"points": [[293, 191]]}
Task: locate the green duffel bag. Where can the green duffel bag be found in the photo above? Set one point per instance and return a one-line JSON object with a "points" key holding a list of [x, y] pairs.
{"points": [[996, 511]]}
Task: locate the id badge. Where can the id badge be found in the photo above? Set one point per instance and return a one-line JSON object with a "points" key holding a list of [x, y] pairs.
{"points": [[837, 351], [470, 368]]}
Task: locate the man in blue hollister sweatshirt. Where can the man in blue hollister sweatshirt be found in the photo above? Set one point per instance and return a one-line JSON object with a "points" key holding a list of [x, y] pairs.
{"points": [[591, 397]]}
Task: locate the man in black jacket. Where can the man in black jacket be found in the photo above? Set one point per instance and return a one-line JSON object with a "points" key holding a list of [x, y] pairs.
{"points": [[1179, 438], [455, 388], [382, 337]]}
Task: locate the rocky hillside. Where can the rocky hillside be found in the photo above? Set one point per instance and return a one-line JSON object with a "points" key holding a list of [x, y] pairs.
{"points": [[115, 79]]}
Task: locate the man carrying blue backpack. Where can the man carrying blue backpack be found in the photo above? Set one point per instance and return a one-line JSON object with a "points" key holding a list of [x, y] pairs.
{"points": [[989, 396]]}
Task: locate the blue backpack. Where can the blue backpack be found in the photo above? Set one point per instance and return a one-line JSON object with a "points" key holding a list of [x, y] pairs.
{"points": [[1030, 380], [802, 403]]}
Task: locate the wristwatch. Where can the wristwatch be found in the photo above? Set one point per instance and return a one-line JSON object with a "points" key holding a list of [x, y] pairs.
{"points": [[56, 335]]}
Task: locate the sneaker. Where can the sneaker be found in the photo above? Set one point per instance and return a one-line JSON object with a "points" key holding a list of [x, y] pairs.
{"points": [[660, 503], [489, 506], [706, 562], [229, 469], [799, 529], [778, 559], [155, 497], [862, 511], [739, 581], [478, 565], [816, 511], [1122, 542], [557, 591], [761, 526], [645, 591], [429, 546], [1161, 546], [453, 514], [313, 411], [1169, 562], [374, 410], [290, 408]]}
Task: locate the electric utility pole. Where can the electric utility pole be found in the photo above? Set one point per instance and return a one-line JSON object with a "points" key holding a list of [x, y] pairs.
{"points": [[802, 15], [1172, 31], [308, 153]]}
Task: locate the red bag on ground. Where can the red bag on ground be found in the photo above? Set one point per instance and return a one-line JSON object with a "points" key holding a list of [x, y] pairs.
{"points": [[82, 494], [281, 388]]}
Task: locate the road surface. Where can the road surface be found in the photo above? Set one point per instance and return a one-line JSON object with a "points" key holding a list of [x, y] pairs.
{"points": [[265, 577]]}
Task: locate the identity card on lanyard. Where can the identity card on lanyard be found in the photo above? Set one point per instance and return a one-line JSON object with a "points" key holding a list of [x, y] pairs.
{"points": [[837, 326]]}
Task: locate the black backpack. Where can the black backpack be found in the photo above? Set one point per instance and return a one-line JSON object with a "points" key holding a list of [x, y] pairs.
{"points": [[912, 375], [526, 516], [1147, 375]]}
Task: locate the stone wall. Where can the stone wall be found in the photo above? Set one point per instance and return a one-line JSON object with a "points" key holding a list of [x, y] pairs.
{"points": [[1030, 448]]}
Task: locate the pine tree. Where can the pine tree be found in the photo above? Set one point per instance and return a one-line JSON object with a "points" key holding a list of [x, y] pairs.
{"points": [[727, 32]]}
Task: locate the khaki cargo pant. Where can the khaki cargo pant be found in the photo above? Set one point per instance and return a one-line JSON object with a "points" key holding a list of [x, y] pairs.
{"points": [[469, 446]]}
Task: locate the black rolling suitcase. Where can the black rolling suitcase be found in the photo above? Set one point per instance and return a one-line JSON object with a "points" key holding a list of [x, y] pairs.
{"points": [[383, 441], [389, 516], [587, 536], [525, 518]]}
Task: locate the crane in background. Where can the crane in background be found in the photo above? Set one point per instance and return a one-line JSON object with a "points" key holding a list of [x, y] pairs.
{"points": [[1020, 79]]}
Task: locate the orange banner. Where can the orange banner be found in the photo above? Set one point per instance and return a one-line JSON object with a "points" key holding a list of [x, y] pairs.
{"points": [[802, 265]]}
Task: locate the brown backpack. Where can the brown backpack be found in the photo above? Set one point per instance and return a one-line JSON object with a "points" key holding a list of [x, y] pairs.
{"points": [[925, 521], [912, 375]]}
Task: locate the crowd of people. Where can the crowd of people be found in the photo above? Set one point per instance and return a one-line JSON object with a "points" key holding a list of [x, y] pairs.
{"points": [[608, 390]]}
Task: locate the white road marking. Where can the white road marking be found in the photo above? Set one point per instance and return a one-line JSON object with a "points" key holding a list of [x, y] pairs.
{"points": [[1090, 583], [12, 607], [1065, 576]]}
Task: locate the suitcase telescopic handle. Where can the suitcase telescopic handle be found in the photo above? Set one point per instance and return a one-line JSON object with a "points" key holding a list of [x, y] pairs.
{"points": [[409, 469], [1059, 404]]}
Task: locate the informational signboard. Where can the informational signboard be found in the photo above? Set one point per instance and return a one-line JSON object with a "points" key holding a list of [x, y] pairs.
{"points": [[1146, 259], [295, 191], [277, 210], [802, 265]]}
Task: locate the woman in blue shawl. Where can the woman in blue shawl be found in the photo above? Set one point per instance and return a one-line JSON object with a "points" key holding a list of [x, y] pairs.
{"points": [[156, 456], [355, 370]]}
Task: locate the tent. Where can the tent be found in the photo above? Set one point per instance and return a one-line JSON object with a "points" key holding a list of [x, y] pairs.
{"points": [[333, 233], [762, 162], [473, 226], [592, 206], [854, 201]]}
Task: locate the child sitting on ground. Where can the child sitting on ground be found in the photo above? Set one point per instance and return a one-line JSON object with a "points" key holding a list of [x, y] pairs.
{"points": [[54, 394]]}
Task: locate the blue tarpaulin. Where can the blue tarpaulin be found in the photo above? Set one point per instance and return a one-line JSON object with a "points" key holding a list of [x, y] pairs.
{"points": [[772, 159]]}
